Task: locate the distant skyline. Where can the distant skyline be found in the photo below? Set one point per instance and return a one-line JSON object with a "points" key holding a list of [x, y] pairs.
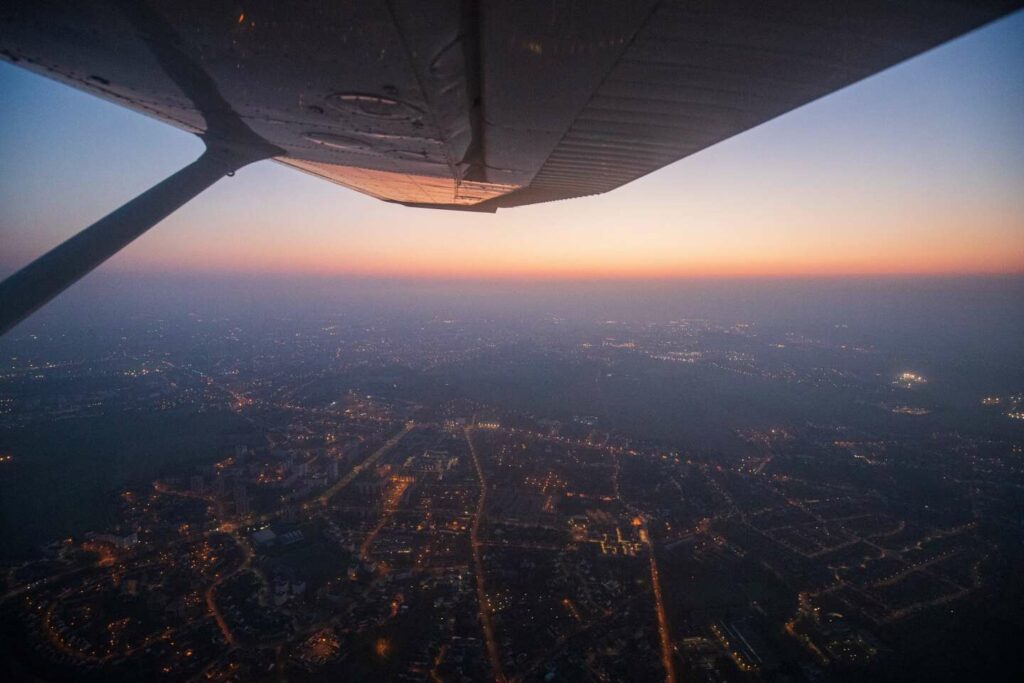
{"points": [[917, 170]]}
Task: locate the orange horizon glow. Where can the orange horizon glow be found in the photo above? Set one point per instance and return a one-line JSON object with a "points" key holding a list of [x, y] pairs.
{"points": [[581, 244], [577, 241], [597, 273], [915, 172]]}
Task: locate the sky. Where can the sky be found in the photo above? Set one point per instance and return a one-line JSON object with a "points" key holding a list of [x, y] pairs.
{"points": [[917, 170]]}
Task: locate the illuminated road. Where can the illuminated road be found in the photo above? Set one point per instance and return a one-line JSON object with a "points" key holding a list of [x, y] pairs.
{"points": [[210, 597], [211, 500], [211, 606], [366, 464], [659, 606], [481, 593], [58, 642], [394, 496], [664, 639]]}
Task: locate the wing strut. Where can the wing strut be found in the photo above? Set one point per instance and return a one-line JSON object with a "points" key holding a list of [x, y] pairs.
{"points": [[31, 287]]}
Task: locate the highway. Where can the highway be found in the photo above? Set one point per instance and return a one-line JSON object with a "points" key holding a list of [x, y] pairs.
{"points": [[659, 607], [478, 565], [366, 464], [664, 638]]}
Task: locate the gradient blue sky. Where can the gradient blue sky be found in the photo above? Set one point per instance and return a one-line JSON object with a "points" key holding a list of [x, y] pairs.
{"points": [[919, 169]]}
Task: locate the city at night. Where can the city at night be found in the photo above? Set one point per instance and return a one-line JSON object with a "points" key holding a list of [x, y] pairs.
{"points": [[551, 341]]}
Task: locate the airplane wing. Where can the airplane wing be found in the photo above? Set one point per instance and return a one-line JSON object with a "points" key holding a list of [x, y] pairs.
{"points": [[456, 104], [474, 105]]}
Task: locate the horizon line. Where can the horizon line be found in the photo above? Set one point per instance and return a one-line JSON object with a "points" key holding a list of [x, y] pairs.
{"points": [[531, 278]]}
